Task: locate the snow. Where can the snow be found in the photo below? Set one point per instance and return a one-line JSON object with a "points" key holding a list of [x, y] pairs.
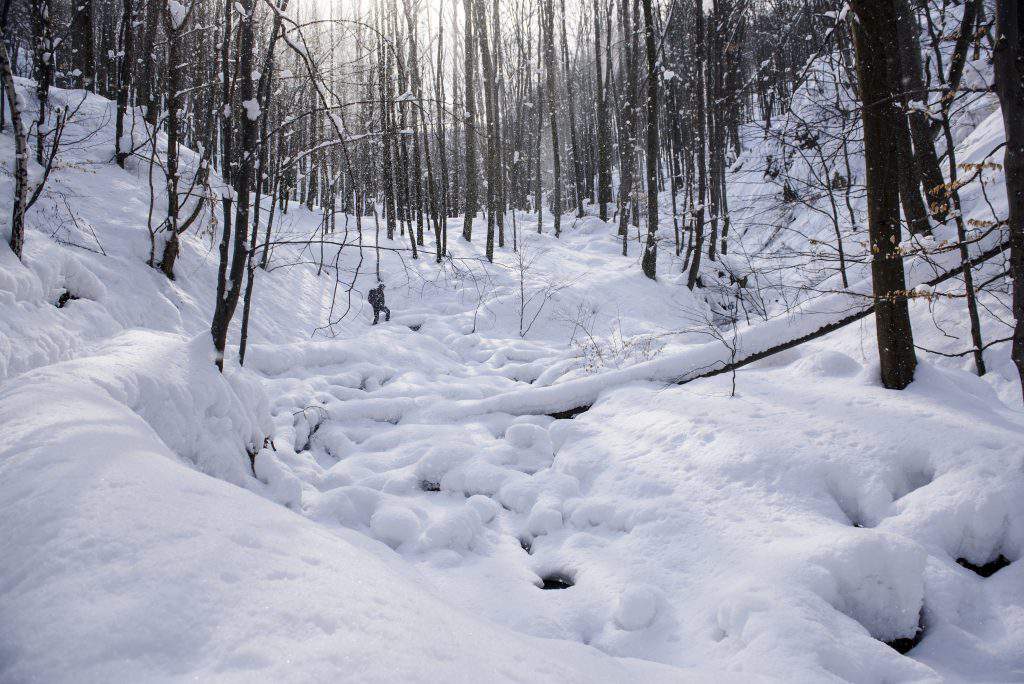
{"points": [[394, 525], [155, 571], [409, 489], [637, 607], [178, 13], [252, 109]]}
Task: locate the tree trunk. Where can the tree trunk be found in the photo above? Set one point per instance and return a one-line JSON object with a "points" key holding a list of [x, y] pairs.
{"points": [[387, 137], [490, 107], [650, 258], [149, 94], [570, 97], [228, 292], [958, 59], [551, 76], [82, 43], [604, 171], [1009, 72], [174, 66], [17, 240], [878, 70], [916, 91], [627, 122], [698, 229], [122, 147], [470, 122], [42, 65]]}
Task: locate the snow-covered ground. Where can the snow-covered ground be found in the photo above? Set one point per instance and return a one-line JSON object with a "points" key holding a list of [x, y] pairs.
{"points": [[413, 491]]}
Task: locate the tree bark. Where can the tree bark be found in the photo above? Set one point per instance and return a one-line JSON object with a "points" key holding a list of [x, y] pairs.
{"points": [[229, 291], [604, 170], [149, 94], [82, 43], [878, 72], [551, 79], [650, 258], [1009, 73], [627, 121], [490, 108], [124, 84], [698, 229], [17, 240], [42, 65], [916, 92], [170, 251], [470, 122]]}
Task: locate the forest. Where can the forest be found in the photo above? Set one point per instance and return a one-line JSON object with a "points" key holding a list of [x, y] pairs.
{"points": [[334, 331]]}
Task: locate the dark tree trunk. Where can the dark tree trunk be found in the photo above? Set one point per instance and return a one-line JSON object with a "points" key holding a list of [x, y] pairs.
{"points": [[604, 170], [499, 176], [387, 137], [698, 229], [82, 43], [42, 66], [958, 59], [650, 258], [627, 122], [470, 123], [174, 67], [490, 108], [149, 94], [878, 73], [570, 97], [440, 237], [264, 89], [17, 239], [916, 91], [124, 84], [550, 72], [909, 180], [1009, 72], [229, 291]]}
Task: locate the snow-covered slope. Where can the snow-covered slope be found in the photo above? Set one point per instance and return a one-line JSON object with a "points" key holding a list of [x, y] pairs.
{"points": [[123, 564], [412, 494]]}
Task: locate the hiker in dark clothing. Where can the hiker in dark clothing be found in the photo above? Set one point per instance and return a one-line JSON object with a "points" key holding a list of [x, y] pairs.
{"points": [[376, 299]]}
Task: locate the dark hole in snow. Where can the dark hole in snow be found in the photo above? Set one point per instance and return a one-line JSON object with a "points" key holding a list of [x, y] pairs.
{"points": [[527, 545], [64, 298], [428, 486], [903, 645], [569, 413], [415, 327], [988, 569], [556, 581], [849, 509]]}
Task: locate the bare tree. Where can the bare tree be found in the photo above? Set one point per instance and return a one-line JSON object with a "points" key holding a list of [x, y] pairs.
{"points": [[551, 80], [878, 70], [1009, 72], [650, 258], [17, 239]]}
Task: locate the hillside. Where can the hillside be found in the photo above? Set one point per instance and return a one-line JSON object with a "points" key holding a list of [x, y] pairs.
{"points": [[413, 485]]}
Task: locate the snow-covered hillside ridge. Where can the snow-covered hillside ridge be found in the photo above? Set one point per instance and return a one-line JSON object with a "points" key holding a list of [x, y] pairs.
{"points": [[410, 490]]}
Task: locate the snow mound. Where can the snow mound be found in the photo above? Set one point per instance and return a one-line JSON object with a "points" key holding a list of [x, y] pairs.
{"points": [[637, 607], [190, 577], [826, 363]]}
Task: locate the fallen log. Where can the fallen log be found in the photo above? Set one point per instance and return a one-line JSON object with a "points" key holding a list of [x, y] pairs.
{"points": [[570, 398], [841, 323]]}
